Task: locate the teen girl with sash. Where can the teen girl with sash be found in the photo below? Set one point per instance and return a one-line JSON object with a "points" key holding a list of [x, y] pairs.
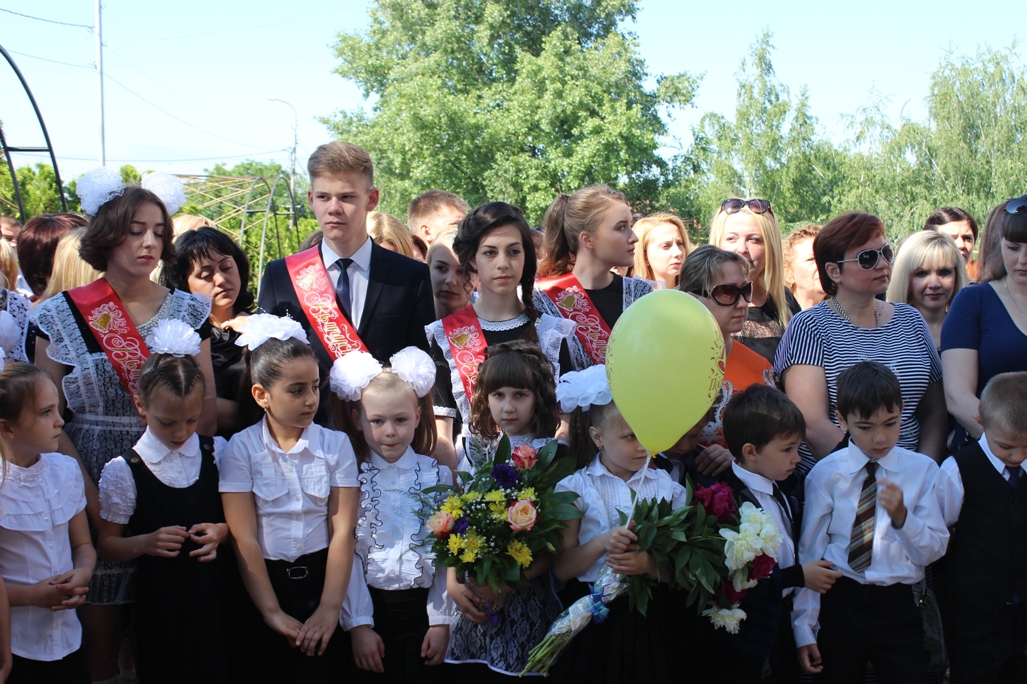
{"points": [[92, 339], [493, 241], [588, 234]]}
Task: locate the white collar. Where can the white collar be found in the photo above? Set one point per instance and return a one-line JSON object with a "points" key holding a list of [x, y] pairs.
{"points": [[753, 481], [855, 460], [995, 462], [301, 444], [152, 450], [361, 258], [405, 462], [596, 468]]}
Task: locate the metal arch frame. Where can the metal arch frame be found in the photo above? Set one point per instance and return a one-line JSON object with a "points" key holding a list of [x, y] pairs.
{"points": [[46, 136]]}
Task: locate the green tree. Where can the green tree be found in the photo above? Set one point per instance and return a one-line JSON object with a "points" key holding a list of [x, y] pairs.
{"points": [[38, 187], [510, 100]]}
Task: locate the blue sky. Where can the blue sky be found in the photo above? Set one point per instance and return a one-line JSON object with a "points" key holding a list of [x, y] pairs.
{"points": [[211, 67]]}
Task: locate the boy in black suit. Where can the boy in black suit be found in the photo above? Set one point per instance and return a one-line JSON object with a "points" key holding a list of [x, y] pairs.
{"points": [[763, 429], [349, 293], [982, 493]]}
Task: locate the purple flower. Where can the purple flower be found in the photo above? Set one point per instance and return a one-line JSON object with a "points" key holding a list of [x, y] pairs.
{"points": [[461, 525], [506, 476]]}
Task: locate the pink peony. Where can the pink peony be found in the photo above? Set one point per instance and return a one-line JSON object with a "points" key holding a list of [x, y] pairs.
{"points": [[717, 500], [762, 566], [440, 524], [522, 516], [524, 457]]}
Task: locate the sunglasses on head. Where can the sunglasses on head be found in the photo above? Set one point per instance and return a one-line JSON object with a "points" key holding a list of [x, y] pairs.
{"points": [[735, 205], [867, 259], [728, 294], [1017, 205]]}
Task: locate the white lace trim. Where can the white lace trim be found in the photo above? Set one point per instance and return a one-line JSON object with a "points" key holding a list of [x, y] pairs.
{"points": [[499, 326]]}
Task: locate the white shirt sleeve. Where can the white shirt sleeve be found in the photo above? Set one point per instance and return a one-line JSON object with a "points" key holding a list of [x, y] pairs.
{"points": [[235, 473], [441, 608], [950, 491], [357, 608], [344, 471], [117, 492], [812, 545], [924, 536], [219, 450]]}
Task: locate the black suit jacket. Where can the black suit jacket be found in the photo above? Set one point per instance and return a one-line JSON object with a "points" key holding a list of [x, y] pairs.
{"points": [[397, 307]]}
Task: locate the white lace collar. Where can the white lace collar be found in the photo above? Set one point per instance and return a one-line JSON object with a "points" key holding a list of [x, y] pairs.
{"points": [[31, 476], [152, 450], [497, 326]]}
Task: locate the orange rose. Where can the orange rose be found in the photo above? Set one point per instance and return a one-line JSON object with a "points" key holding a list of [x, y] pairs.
{"points": [[440, 524], [524, 457], [521, 516]]}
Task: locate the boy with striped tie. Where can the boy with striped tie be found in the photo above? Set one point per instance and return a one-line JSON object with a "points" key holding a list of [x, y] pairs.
{"points": [[871, 511]]}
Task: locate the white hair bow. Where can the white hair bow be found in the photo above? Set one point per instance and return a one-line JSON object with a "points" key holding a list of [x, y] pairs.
{"points": [[175, 337], [352, 373], [259, 328], [583, 389]]}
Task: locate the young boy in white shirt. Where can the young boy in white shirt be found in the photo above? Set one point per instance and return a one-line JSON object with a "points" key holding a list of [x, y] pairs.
{"points": [[872, 512], [982, 494]]}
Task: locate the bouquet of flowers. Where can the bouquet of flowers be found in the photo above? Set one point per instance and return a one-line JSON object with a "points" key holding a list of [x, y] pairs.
{"points": [[703, 547], [506, 515]]}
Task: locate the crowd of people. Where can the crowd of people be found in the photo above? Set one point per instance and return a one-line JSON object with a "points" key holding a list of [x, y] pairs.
{"points": [[205, 483]]}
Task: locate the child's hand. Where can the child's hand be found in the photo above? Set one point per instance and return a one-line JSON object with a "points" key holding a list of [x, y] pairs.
{"points": [[64, 591], [621, 538], [319, 627], [165, 542], [713, 460], [809, 659], [487, 594], [890, 497], [468, 603], [368, 648], [633, 563], [436, 641], [818, 576], [284, 624], [209, 536]]}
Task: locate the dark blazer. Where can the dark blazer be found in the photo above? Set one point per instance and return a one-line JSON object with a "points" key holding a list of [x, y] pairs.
{"points": [[397, 307]]}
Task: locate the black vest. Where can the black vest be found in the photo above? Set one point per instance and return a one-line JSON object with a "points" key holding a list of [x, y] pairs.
{"points": [[988, 551]]}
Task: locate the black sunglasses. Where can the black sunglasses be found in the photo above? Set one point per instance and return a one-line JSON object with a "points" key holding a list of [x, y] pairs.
{"points": [[728, 294], [867, 259], [735, 205], [1017, 205]]}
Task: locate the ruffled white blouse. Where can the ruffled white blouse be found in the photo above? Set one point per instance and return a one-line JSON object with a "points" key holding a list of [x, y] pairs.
{"points": [[36, 506]]}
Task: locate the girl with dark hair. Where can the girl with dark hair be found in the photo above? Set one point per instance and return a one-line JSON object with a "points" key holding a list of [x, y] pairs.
{"points": [[212, 264], [160, 504], [588, 234], [494, 243]]}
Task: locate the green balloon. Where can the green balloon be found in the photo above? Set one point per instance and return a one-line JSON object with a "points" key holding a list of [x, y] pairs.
{"points": [[665, 363]]}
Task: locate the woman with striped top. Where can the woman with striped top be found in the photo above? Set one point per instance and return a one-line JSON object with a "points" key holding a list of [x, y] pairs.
{"points": [[854, 260]]}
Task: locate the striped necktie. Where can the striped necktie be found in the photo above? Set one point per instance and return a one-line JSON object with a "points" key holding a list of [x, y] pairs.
{"points": [[861, 545]]}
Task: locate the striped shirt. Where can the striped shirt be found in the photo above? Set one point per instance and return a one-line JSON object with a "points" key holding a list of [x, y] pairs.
{"points": [[820, 337]]}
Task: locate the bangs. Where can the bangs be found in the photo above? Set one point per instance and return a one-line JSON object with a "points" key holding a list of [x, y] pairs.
{"points": [[504, 370], [937, 256], [204, 243], [1014, 228]]}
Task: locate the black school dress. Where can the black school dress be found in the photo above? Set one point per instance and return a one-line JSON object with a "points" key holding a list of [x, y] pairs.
{"points": [[182, 605]]}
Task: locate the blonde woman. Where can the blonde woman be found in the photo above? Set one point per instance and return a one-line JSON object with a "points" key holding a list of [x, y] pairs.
{"points": [[390, 233], [748, 227], [69, 269], [928, 272], [449, 287], [8, 263], [661, 250], [801, 275]]}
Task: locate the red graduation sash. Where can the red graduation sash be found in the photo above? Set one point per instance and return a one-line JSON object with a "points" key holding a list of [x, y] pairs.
{"points": [[317, 299], [467, 343], [575, 305], [114, 330]]}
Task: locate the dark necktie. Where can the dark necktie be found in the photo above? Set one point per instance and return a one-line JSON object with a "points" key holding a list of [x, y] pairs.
{"points": [[779, 496], [342, 287], [1013, 476], [861, 544]]}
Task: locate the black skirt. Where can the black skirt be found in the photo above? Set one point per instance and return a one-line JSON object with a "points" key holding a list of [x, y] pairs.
{"points": [[401, 620]]}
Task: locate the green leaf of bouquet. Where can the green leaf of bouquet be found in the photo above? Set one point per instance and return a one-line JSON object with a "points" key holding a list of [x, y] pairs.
{"points": [[561, 469], [440, 489], [511, 571], [546, 454], [502, 450]]}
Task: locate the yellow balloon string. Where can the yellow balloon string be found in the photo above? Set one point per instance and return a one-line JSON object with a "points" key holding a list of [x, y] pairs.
{"points": [[638, 489]]}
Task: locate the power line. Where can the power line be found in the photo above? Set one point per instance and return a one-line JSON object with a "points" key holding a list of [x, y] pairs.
{"points": [[160, 161], [48, 21], [53, 61]]}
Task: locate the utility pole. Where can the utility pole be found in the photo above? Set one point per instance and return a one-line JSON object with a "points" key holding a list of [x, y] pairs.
{"points": [[292, 155], [98, 32]]}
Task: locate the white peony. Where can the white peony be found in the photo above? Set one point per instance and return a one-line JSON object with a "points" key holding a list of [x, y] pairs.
{"points": [[351, 373], [415, 368], [725, 618]]}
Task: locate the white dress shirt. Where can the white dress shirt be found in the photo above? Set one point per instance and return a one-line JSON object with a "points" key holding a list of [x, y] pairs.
{"points": [[763, 489], [602, 496], [950, 482], [899, 556], [36, 505], [393, 547], [290, 488], [177, 469], [359, 272]]}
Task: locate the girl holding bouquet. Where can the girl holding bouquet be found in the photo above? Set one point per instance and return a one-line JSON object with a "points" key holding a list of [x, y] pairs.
{"points": [[620, 644], [497, 627], [396, 608]]}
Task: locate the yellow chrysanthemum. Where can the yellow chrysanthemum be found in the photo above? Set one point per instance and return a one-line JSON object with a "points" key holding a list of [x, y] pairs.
{"points": [[453, 506], [468, 556], [520, 552], [498, 510], [526, 494], [455, 543], [468, 497], [495, 496]]}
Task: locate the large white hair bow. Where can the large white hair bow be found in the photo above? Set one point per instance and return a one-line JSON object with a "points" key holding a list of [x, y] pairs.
{"points": [[97, 187], [352, 373], [259, 328], [175, 337], [583, 389], [167, 187]]}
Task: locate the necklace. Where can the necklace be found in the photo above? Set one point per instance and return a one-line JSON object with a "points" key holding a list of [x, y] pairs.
{"points": [[841, 312], [1015, 303]]}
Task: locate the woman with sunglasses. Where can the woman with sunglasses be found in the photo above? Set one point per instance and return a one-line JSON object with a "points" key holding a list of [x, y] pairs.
{"points": [[719, 279], [854, 261], [588, 234], [985, 332], [748, 227]]}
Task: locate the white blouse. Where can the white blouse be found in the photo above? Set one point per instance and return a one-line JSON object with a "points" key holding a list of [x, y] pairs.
{"points": [[175, 468], [602, 496], [290, 488], [393, 546], [36, 506]]}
